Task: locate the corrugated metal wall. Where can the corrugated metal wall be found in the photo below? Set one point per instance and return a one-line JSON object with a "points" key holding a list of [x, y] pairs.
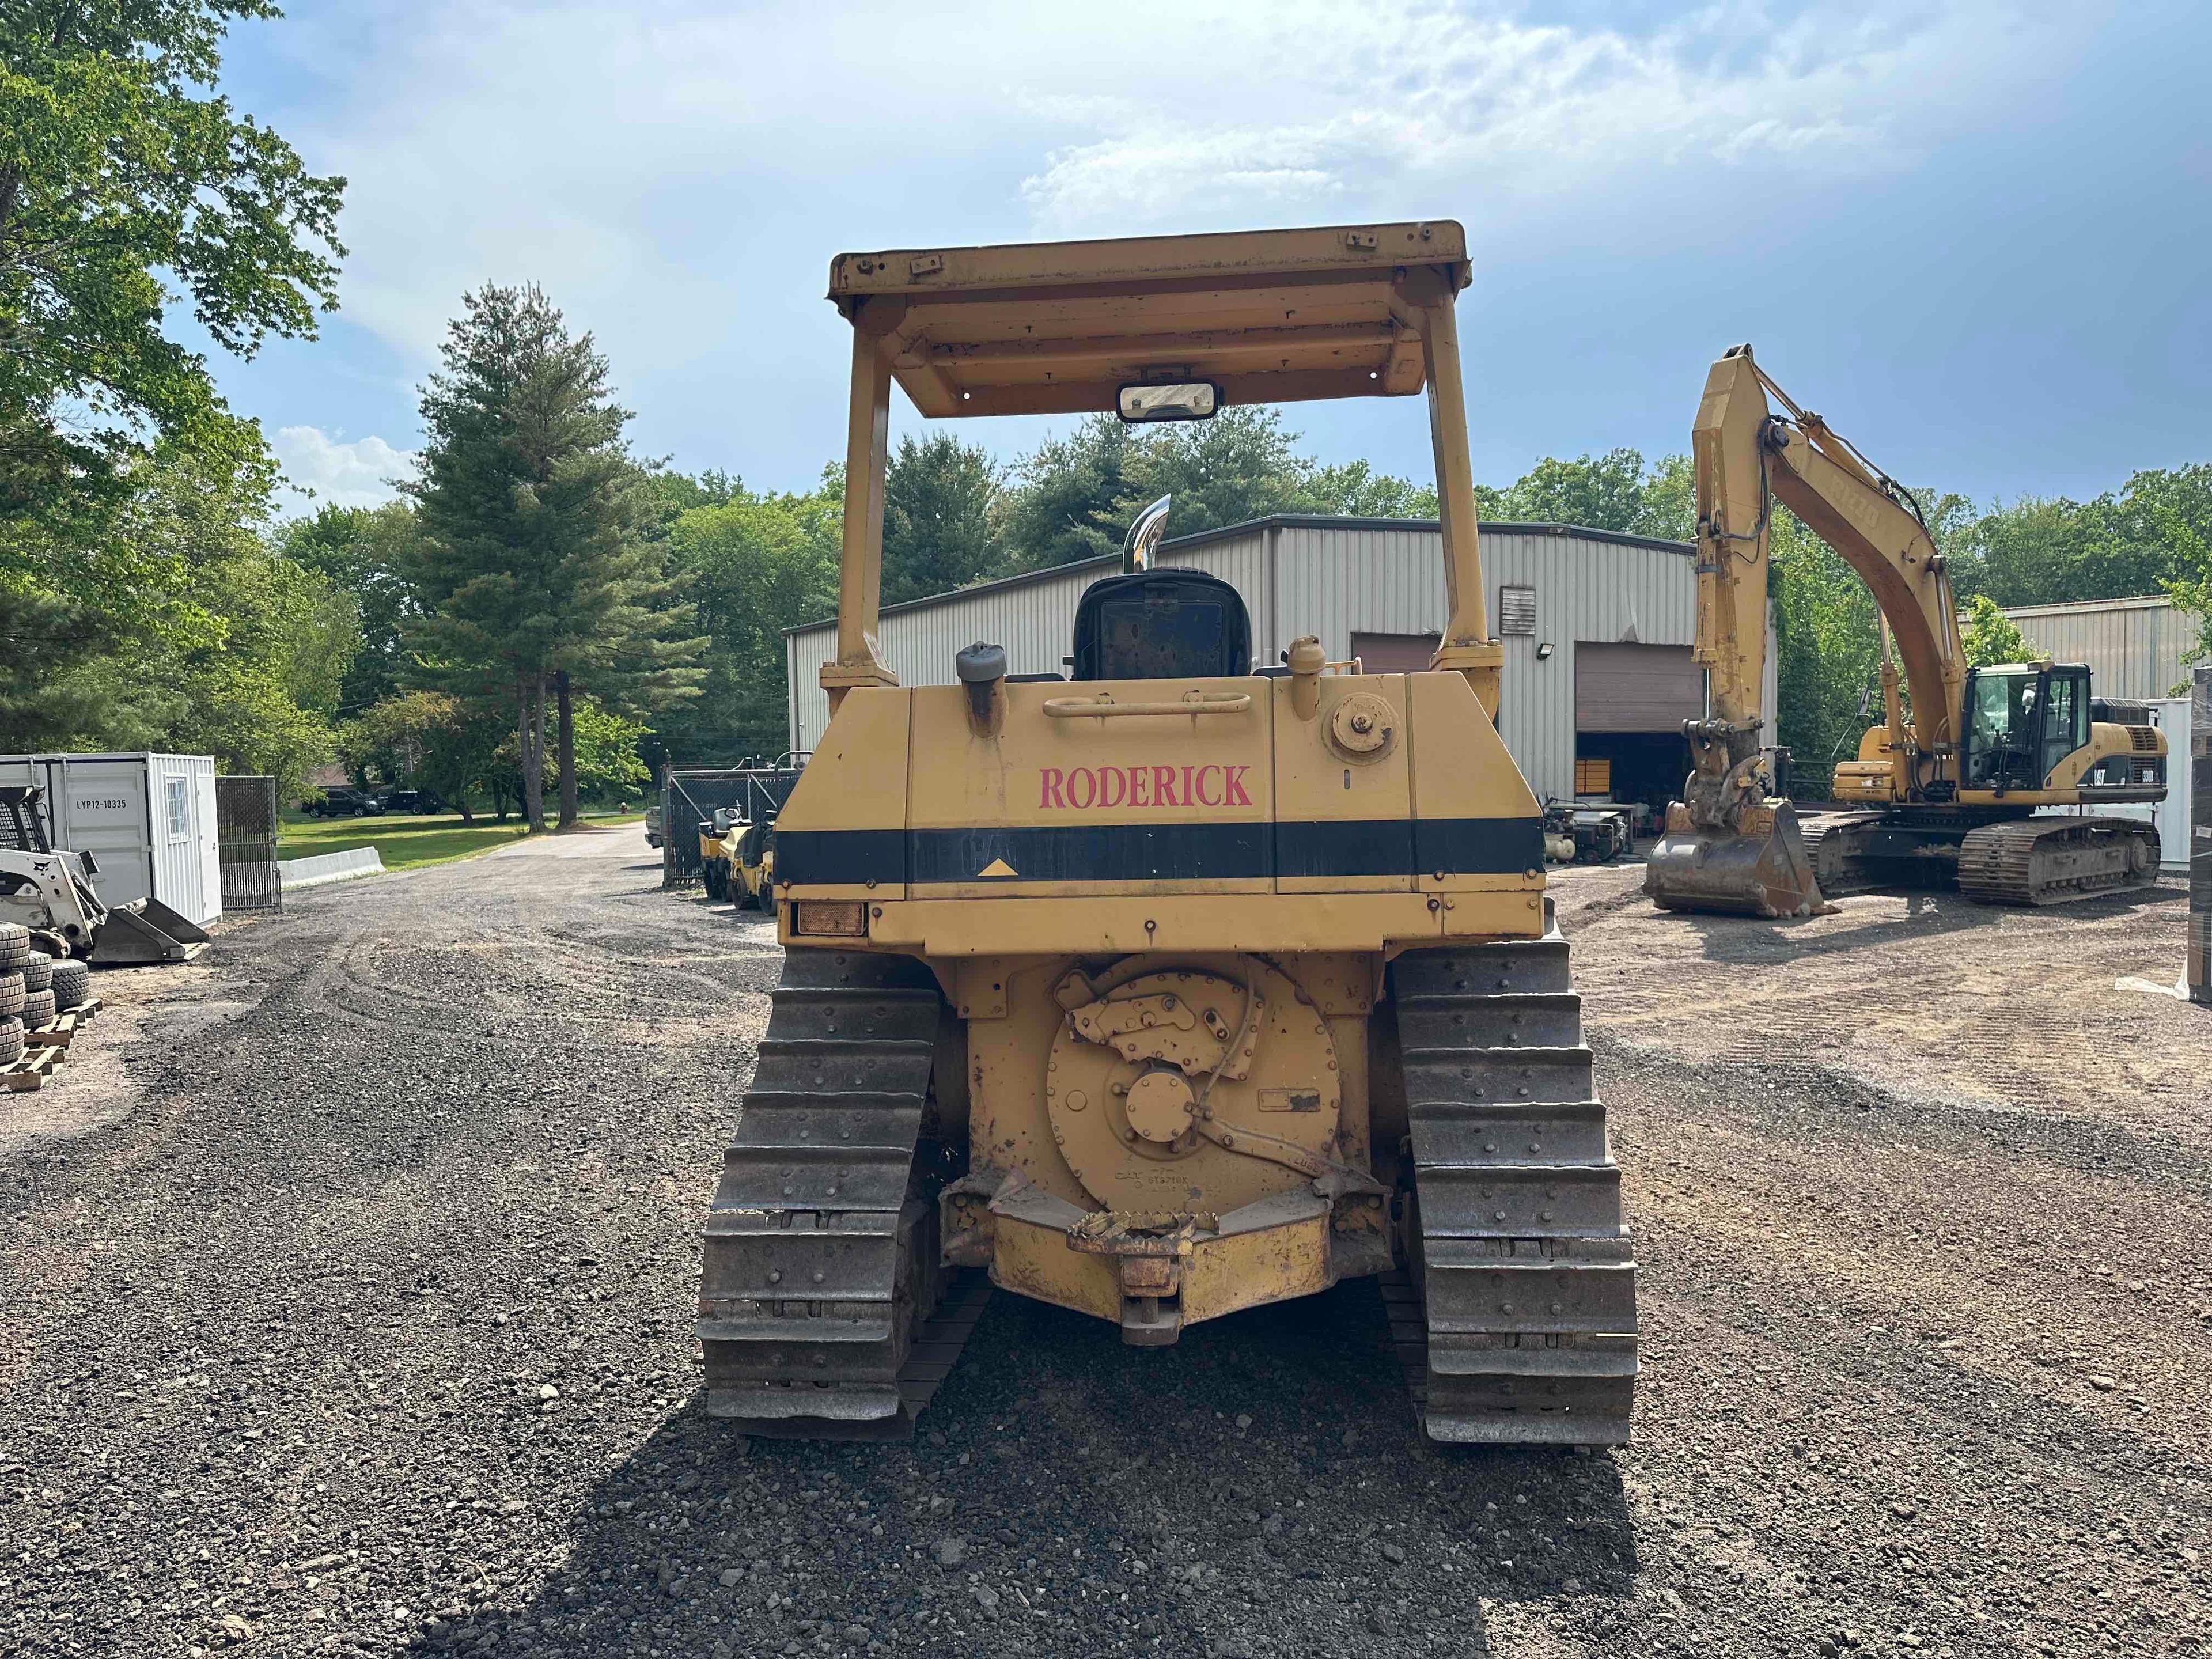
{"points": [[2133, 647], [1370, 576]]}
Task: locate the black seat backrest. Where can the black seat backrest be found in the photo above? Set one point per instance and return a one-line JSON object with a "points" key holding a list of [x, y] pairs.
{"points": [[1161, 625]]}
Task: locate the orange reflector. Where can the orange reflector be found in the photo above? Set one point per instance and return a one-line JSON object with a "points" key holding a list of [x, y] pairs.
{"points": [[846, 916]]}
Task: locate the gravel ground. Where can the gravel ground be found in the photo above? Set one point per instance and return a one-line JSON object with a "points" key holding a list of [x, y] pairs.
{"points": [[350, 1272]]}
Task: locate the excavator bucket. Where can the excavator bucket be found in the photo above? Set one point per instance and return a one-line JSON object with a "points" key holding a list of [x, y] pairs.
{"points": [[1758, 869], [148, 932]]}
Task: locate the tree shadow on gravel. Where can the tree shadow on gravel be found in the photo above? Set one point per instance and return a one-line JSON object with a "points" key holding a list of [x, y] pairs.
{"points": [[1258, 1489]]}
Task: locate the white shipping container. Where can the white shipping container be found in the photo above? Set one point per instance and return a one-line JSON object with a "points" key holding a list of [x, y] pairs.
{"points": [[148, 820]]}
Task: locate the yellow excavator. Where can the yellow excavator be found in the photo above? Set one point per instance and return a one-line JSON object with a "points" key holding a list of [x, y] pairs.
{"points": [[1964, 757]]}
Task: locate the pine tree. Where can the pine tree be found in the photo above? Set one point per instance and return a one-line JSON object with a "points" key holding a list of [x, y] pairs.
{"points": [[533, 571], [940, 500]]}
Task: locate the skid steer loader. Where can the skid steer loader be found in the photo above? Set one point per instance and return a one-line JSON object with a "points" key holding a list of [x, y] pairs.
{"points": [[1171, 988], [51, 893]]}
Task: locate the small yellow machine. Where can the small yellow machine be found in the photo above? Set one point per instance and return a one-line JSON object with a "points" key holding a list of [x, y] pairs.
{"points": [[737, 861], [749, 849], [1964, 757], [737, 843], [718, 841], [1170, 989]]}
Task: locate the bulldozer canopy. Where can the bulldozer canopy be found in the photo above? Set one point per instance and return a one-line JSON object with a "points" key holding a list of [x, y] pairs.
{"points": [[1046, 328]]}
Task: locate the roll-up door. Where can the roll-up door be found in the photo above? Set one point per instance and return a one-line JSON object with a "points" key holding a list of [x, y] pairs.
{"points": [[1636, 687]]}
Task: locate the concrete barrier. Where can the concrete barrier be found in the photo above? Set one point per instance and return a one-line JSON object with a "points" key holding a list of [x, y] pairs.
{"points": [[325, 868]]}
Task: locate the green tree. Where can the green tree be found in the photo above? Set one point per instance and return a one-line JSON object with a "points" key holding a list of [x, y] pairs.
{"points": [[752, 568], [137, 607], [535, 570], [1070, 496], [941, 513], [608, 767], [368, 551], [231, 648], [263, 699], [1991, 637], [1601, 492], [126, 187], [1668, 508], [1828, 645], [429, 740], [679, 492], [1354, 490], [1244, 464]]}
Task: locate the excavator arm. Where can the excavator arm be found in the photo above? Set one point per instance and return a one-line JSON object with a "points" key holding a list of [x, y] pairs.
{"points": [[1747, 458], [1731, 843]]}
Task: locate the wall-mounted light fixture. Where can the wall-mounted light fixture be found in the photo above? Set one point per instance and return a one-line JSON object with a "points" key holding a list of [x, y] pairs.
{"points": [[1544, 651]]}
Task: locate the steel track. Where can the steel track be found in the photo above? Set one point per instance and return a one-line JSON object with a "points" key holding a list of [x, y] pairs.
{"points": [[822, 1308], [1516, 1323], [2052, 861]]}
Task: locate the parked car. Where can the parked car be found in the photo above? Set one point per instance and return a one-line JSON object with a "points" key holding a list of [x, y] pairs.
{"points": [[409, 801], [653, 824], [342, 800]]}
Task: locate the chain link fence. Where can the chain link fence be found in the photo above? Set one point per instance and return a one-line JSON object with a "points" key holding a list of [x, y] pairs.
{"points": [[245, 836], [690, 799]]}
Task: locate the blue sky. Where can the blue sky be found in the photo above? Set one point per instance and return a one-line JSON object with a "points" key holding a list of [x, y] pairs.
{"points": [[1974, 236]]}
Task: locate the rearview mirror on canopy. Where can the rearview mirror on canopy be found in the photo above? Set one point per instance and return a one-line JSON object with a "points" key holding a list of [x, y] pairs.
{"points": [[1196, 400]]}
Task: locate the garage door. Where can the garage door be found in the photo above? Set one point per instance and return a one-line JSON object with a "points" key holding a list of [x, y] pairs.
{"points": [[1636, 687]]}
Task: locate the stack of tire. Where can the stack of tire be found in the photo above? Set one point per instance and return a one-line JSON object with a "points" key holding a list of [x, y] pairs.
{"points": [[14, 955], [35, 988]]}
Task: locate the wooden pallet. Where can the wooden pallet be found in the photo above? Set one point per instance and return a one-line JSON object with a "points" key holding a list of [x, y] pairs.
{"points": [[54, 1033], [57, 1032], [32, 1071]]}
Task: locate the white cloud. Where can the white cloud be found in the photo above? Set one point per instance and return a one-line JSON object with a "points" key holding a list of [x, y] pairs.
{"points": [[614, 150], [359, 473], [678, 173], [1404, 102]]}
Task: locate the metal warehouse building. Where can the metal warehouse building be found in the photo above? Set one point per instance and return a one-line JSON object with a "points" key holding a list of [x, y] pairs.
{"points": [[2133, 647], [1596, 625]]}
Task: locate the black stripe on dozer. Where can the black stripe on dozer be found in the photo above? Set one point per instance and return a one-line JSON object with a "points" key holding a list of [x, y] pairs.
{"points": [[1166, 851], [1517, 1321]]}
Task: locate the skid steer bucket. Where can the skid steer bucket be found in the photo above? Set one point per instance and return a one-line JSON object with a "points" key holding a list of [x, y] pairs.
{"points": [[1757, 868], [148, 932]]}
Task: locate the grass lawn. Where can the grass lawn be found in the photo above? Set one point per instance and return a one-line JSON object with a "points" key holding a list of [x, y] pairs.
{"points": [[402, 842]]}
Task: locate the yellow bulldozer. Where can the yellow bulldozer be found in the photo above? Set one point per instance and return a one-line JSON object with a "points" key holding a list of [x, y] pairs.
{"points": [[1172, 988], [1965, 757]]}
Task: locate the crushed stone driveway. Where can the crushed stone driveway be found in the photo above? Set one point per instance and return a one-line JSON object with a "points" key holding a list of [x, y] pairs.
{"points": [[350, 1273]]}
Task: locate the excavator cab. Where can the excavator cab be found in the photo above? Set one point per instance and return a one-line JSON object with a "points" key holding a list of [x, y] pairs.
{"points": [[2023, 720]]}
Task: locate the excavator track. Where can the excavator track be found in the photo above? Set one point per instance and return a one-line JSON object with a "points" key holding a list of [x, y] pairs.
{"points": [[2035, 862], [1516, 1320], [823, 1309], [1831, 847]]}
